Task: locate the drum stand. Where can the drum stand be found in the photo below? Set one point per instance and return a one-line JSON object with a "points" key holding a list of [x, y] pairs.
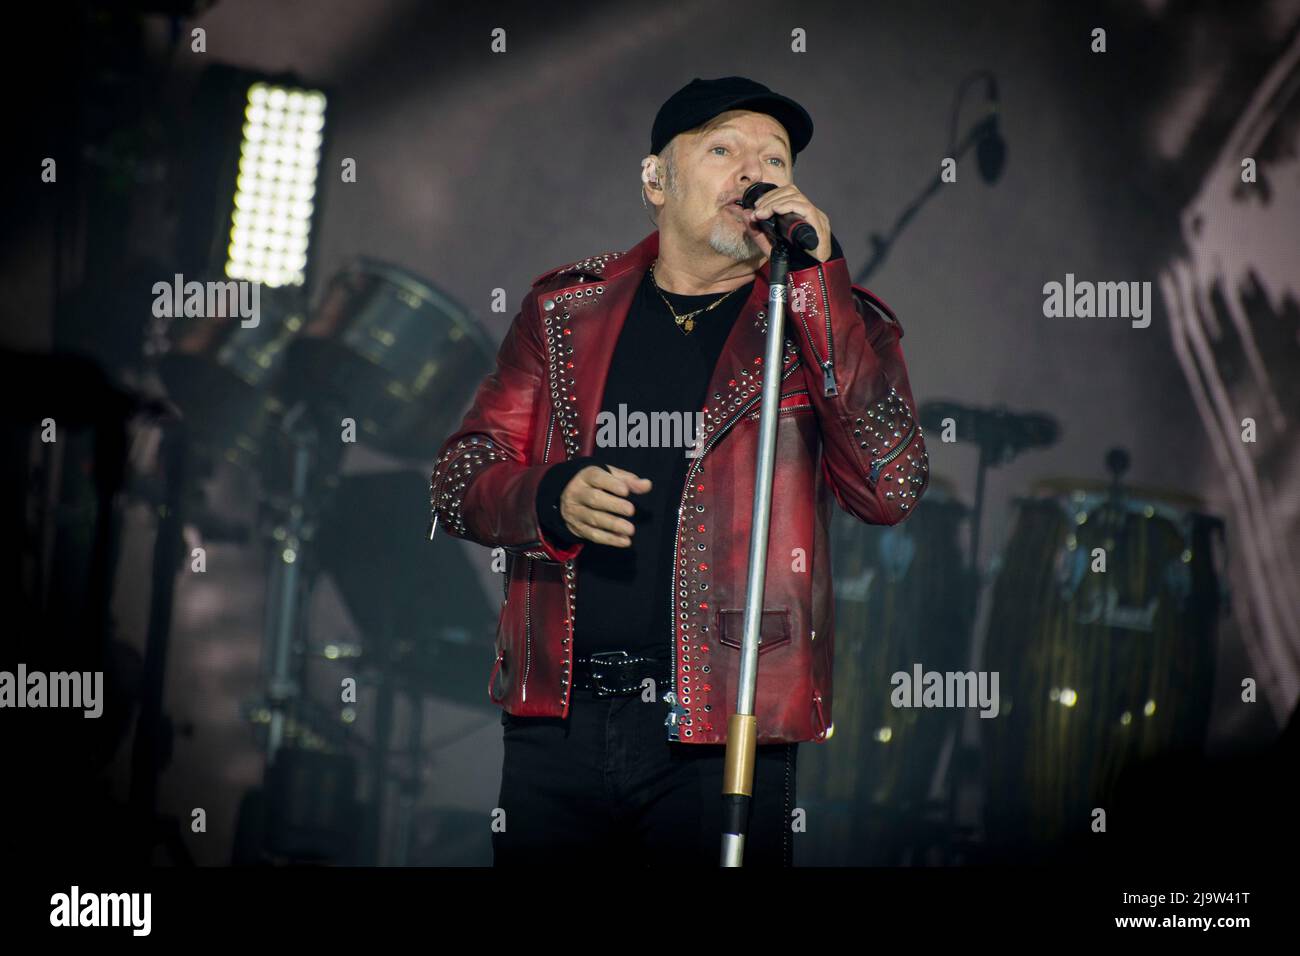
{"points": [[302, 811], [284, 604], [963, 783], [999, 437]]}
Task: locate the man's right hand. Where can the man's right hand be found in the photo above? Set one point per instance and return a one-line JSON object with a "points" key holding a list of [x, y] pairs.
{"points": [[595, 505]]}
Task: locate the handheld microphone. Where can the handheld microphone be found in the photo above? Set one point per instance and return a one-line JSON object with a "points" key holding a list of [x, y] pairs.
{"points": [[790, 227]]}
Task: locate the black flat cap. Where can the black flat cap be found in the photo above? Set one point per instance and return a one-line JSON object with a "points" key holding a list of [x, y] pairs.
{"points": [[700, 100]]}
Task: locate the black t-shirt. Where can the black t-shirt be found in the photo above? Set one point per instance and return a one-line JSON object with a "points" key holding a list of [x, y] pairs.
{"points": [[624, 593]]}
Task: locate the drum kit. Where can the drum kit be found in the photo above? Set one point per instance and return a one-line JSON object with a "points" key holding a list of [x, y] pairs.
{"points": [[1101, 622], [387, 360]]}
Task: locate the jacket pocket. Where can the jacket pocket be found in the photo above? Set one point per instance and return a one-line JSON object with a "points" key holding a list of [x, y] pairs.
{"points": [[773, 628]]}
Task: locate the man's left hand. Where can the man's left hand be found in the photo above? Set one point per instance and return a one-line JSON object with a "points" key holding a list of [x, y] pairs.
{"points": [[789, 199]]}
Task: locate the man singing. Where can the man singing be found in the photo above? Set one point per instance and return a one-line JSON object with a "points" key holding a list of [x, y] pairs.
{"points": [[615, 720]]}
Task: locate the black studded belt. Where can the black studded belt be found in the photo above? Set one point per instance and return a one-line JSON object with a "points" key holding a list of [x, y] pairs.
{"points": [[619, 673]]}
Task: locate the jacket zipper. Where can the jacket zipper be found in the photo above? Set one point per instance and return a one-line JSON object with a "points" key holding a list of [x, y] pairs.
{"points": [[754, 416], [528, 628], [677, 711], [880, 463], [433, 507], [528, 585], [828, 379], [828, 367]]}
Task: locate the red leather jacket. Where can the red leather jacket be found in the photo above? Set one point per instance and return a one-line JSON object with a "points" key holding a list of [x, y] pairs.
{"points": [[847, 429]]}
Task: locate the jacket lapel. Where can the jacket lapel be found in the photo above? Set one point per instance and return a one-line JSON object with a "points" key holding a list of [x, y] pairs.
{"points": [[738, 375]]}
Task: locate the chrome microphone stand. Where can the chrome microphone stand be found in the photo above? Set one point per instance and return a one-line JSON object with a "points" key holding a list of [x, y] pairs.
{"points": [[742, 728]]}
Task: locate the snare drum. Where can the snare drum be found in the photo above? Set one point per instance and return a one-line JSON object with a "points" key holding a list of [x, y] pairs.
{"points": [[394, 353]]}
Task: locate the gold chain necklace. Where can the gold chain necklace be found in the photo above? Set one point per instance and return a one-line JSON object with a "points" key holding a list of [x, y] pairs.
{"points": [[686, 322]]}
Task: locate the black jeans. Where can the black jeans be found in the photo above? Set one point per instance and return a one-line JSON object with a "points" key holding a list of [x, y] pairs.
{"points": [[605, 785]]}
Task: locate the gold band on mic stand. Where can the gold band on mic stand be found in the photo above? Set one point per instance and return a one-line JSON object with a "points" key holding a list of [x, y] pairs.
{"points": [[738, 772]]}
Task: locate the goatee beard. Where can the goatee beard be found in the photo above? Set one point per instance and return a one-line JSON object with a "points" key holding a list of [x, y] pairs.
{"points": [[726, 242]]}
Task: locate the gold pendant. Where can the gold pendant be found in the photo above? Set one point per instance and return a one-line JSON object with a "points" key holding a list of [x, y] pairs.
{"points": [[690, 324]]}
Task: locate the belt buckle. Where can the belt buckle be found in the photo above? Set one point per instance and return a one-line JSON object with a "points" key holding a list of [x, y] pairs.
{"points": [[599, 687]]}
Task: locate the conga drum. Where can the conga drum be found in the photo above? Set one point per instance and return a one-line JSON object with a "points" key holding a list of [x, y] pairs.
{"points": [[898, 602], [1102, 630]]}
